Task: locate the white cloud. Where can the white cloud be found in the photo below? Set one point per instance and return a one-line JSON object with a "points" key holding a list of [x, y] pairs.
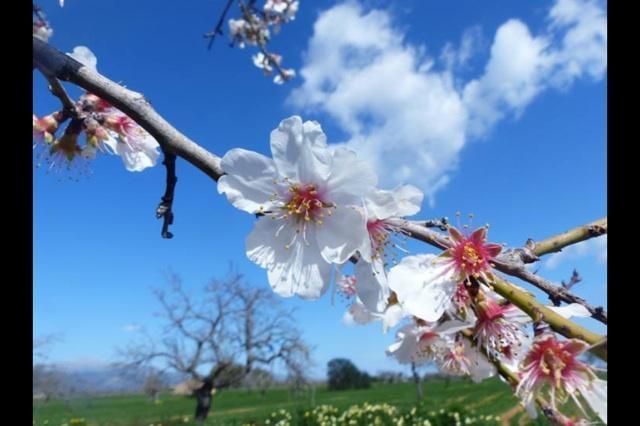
{"points": [[470, 43], [132, 328], [407, 113], [595, 248]]}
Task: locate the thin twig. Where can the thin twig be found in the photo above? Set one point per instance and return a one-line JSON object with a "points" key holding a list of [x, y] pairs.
{"points": [[69, 107], [165, 208], [218, 29]]}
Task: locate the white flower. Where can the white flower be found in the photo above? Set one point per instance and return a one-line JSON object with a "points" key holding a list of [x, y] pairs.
{"points": [[554, 364], [137, 148], [42, 31], [279, 11], [371, 275], [422, 343], [307, 195], [85, 56], [288, 75], [465, 360]]}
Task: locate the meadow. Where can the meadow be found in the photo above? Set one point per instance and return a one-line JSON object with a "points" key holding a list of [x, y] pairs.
{"points": [[237, 406]]}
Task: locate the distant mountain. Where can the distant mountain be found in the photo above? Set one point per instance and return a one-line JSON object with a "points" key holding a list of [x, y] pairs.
{"points": [[87, 378]]}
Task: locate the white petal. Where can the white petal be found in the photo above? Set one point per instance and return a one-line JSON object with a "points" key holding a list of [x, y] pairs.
{"points": [[480, 367], [110, 143], [360, 314], [531, 409], [424, 287], [571, 310], [406, 347], [298, 269], [314, 134], [371, 285], [248, 183], [380, 205], [341, 234], [351, 179], [136, 160], [304, 273], [408, 200], [596, 397], [453, 326], [85, 56], [391, 317], [296, 156], [264, 240]]}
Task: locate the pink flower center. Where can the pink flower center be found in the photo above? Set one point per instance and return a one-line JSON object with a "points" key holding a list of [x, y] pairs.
{"points": [[347, 286], [470, 258], [121, 124], [378, 234], [553, 361], [306, 204], [461, 298]]}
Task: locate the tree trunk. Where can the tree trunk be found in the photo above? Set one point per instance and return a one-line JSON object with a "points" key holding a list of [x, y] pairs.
{"points": [[203, 399]]}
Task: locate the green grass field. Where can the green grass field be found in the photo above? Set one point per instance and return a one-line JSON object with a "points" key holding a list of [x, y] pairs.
{"points": [[232, 407]]}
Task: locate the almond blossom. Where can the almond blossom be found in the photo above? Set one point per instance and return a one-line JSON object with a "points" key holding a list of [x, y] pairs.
{"points": [[463, 359], [370, 271], [554, 365], [426, 284], [421, 342], [308, 198]]}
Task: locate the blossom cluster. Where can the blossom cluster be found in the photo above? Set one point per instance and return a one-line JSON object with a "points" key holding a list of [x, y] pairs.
{"points": [[254, 28], [319, 211], [105, 129]]}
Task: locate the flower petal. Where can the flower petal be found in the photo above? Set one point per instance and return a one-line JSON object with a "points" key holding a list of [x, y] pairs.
{"points": [[304, 273], [571, 310], [85, 56], [298, 157], [380, 205], [296, 270], [248, 183], [408, 200], [371, 285], [341, 234], [480, 368], [391, 317], [424, 286], [596, 397], [137, 160], [351, 179]]}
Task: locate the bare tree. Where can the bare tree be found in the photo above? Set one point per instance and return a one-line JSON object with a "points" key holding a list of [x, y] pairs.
{"points": [[153, 384], [47, 381], [209, 335]]}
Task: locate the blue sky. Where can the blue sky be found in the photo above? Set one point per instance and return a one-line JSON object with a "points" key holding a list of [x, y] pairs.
{"points": [[496, 109]]}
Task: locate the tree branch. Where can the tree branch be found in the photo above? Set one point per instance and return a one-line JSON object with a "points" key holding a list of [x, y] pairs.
{"points": [[573, 236], [68, 106], [52, 62], [517, 296], [510, 263]]}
